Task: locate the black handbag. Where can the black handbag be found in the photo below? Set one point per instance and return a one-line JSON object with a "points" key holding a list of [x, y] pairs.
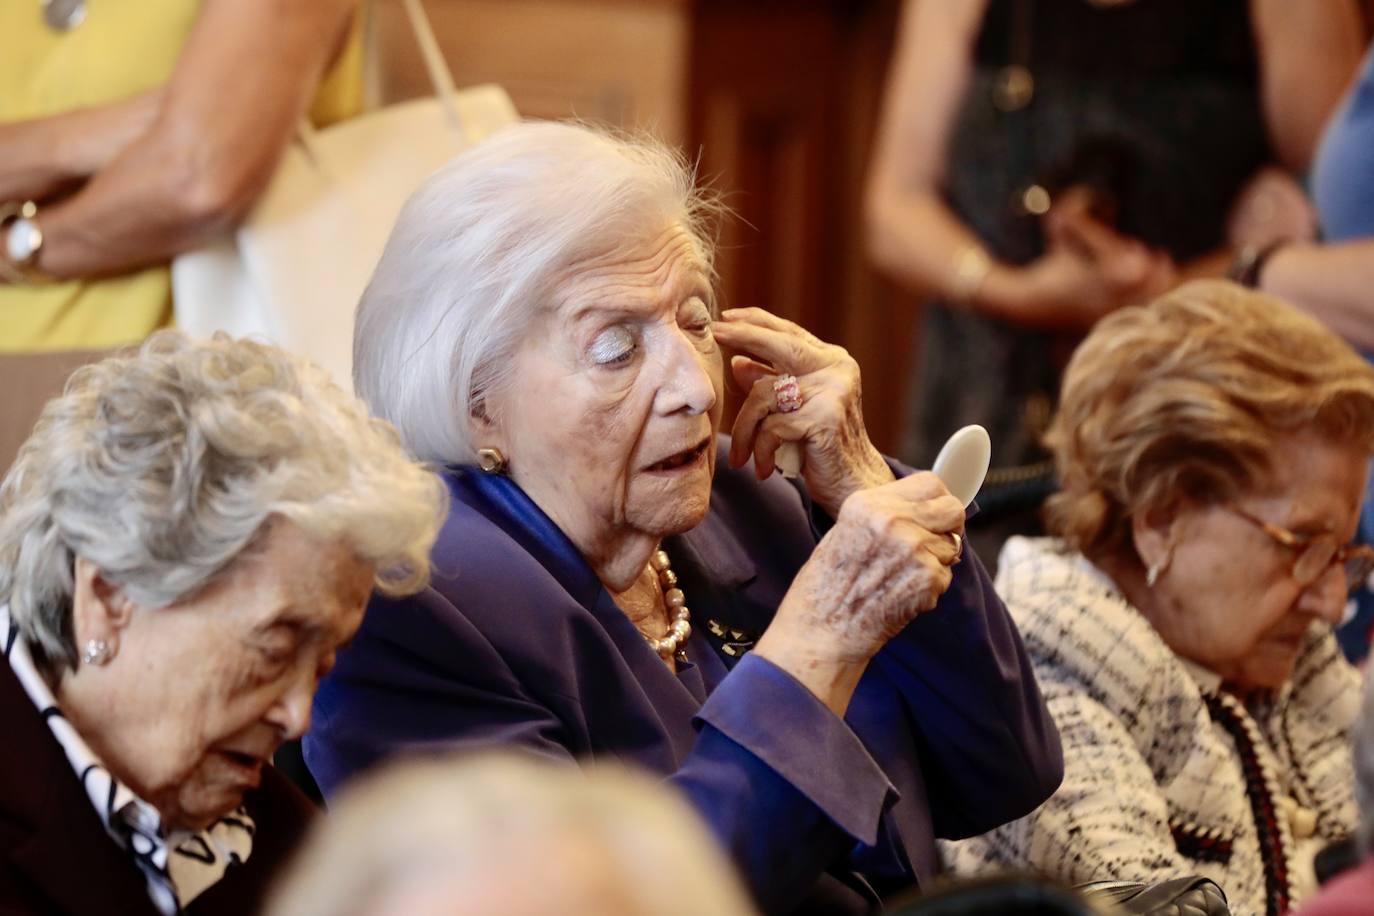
{"points": [[1189, 896]]}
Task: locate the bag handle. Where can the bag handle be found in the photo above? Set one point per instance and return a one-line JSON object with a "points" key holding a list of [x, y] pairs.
{"points": [[439, 75]]}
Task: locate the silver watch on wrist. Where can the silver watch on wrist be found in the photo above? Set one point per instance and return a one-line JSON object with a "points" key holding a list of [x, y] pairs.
{"points": [[23, 241]]}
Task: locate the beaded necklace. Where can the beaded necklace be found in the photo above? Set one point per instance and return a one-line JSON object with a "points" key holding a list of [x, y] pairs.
{"points": [[1262, 789], [670, 645]]}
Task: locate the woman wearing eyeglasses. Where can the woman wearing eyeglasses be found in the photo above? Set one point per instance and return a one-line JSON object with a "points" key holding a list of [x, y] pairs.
{"points": [[1212, 450]]}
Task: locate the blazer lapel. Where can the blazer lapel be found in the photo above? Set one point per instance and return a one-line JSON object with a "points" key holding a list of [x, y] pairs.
{"points": [[67, 854], [69, 842], [715, 549], [515, 513]]}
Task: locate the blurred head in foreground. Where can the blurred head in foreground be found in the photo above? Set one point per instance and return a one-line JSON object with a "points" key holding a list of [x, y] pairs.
{"points": [[509, 836]]}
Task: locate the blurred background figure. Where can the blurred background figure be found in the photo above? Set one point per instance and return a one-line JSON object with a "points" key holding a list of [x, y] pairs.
{"points": [[185, 540], [130, 133], [1332, 278], [1043, 162], [1352, 893], [509, 836], [1212, 449]]}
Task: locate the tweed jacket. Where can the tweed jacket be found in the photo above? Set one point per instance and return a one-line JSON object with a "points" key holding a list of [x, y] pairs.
{"points": [[57, 858], [1154, 784], [517, 645]]}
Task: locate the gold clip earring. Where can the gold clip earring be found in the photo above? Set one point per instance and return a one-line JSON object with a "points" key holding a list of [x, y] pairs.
{"points": [[491, 460]]}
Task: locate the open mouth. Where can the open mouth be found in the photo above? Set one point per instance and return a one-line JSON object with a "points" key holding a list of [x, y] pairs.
{"points": [[250, 764], [682, 459]]}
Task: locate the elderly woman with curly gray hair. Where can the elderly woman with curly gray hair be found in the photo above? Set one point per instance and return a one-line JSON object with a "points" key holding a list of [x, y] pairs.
{"points": [[1212, 449], [186, 539], [819, 665]]}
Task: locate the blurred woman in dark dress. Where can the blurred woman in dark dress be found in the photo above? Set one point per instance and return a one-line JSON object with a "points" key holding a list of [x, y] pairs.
{"points": [[1043, 162]]}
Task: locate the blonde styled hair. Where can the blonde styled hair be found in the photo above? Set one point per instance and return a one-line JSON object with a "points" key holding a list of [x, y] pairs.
{"points": [[1186, 398]]}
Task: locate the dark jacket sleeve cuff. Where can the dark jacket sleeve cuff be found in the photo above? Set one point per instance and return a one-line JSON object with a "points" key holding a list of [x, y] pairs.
{"points": [[773, 716]]}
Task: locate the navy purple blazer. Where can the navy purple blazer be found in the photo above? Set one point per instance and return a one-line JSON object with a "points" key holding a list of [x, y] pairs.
{"points": [[517, 644]]}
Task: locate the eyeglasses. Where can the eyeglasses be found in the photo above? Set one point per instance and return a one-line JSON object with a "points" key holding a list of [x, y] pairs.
{"points": [[1316, 554]]}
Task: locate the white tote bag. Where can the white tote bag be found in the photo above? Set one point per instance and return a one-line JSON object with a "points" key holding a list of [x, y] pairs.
{"points": [[294, 270]]}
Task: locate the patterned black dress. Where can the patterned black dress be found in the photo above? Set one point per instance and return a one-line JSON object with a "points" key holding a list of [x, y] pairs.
{"points": [[1155, 102]]}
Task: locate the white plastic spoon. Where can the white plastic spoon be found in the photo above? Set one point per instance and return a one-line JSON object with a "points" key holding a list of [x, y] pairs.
{"points": [[963, 462], [788, 459]]}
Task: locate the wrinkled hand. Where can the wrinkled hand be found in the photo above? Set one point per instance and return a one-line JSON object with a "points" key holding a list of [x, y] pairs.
{"points": [[838, 458], [887, 559]]}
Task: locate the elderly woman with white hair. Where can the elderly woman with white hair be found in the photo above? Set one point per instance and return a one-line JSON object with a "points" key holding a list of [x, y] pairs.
{"points": [[808, 660], [186, 539]]}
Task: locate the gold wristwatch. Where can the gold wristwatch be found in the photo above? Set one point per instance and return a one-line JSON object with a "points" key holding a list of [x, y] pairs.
{"points": [[23, 240]]}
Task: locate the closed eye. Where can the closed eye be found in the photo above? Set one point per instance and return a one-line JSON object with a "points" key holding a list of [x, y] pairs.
{"points": [[696, 316], [613, 346]]}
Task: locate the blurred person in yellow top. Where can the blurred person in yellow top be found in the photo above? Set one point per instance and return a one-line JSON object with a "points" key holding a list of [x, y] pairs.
{"points": [[130, 132]]}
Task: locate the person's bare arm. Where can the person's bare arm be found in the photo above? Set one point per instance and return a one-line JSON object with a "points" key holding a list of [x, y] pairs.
{"points": [[1308, 52], [917, 240], [43, 156], [1332, 282], [243, 81], [912, 235]]}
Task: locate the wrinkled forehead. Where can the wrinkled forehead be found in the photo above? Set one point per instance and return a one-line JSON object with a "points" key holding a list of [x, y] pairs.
{"points": [[1310, 483], [288, 570], [649, 268]]}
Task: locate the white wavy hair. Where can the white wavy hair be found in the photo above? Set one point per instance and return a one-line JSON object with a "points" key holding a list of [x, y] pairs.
{"points": [[479, 252], [161, 467]]}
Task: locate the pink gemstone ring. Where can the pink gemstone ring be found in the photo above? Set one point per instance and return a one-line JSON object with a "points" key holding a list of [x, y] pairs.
{"points": [[787, 394]]}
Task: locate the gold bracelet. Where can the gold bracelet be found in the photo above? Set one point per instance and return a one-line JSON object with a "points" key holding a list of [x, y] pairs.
{"points": [[971, 269]]}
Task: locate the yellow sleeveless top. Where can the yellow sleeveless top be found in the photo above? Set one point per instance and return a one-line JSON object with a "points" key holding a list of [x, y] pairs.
{"points": [[120, 50]]}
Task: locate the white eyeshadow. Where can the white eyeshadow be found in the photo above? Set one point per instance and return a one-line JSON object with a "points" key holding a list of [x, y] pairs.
{"points": [[612, 344]]}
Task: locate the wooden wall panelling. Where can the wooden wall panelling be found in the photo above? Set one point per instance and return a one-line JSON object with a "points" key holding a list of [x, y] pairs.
{"points": [[760, 112], [879, 319], [621, 62], [784, 100]]}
